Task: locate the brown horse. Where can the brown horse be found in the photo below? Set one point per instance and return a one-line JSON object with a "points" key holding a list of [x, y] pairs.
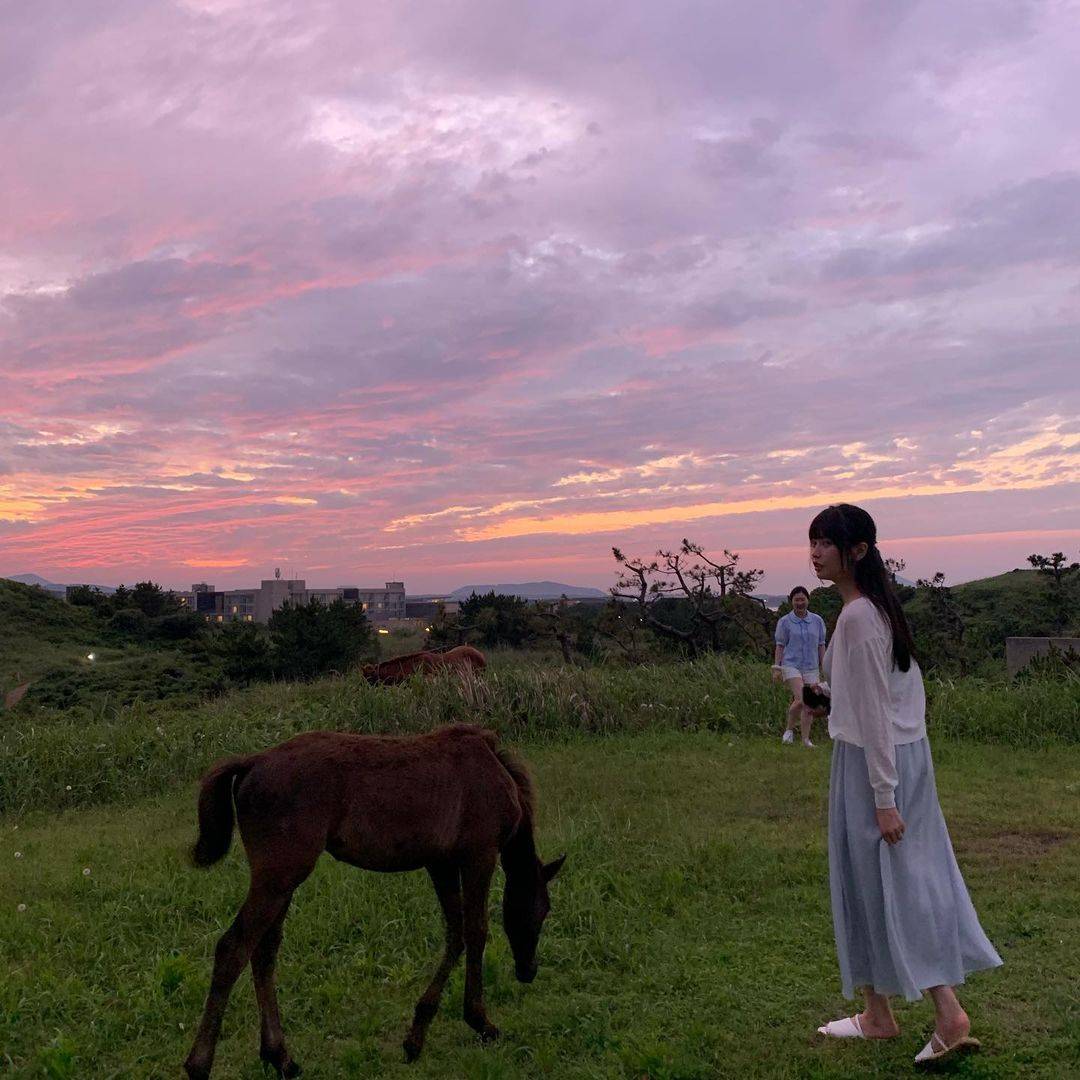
{"points": [[449, 802], [13, 697], [462, 658]]}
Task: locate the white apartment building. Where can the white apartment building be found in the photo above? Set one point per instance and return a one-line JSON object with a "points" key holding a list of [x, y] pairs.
{"points": [[257, 605]]}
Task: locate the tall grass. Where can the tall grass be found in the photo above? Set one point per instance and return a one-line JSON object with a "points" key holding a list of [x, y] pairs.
{"points": [[55, 760]]}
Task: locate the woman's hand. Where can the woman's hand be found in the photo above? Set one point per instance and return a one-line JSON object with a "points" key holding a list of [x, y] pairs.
{"points": [[891, 825], [777, 674], [818, 711]]}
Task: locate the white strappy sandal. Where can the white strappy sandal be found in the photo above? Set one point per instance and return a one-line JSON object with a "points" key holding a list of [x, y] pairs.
{"points": [[848, 1028], [937, 1049]]}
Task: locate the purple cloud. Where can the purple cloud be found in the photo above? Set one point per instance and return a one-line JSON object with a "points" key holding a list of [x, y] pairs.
{"points": [[443, 274]]}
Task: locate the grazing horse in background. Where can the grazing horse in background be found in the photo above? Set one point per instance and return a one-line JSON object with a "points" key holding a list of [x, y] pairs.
{"points": [[13, 697], [450, 802], [462, 658]]}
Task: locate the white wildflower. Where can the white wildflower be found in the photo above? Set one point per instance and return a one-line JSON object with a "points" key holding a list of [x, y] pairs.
{"points": [[86, 871], [20, 907], [18, 854]]}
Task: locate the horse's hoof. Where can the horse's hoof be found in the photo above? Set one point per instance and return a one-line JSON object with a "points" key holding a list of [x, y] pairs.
{"points": [[490, 1034], [196, 1072], [280, 1062], [412, 1049]]}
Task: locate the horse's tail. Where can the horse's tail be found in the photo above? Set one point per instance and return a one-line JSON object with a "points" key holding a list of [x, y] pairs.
{"points": [[216, 809]]}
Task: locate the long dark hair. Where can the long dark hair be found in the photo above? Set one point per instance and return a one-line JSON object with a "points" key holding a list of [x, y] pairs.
{"points": [[845, 526]]}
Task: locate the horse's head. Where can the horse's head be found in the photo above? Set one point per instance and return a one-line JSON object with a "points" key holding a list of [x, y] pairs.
{"points": [[525, 907]]}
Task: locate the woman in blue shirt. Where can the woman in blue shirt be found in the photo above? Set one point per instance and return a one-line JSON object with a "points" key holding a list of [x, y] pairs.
{"points": [[800, 647]]}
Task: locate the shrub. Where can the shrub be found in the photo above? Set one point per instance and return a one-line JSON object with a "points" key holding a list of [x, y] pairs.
{"points": [[496, 619], [245, 652], [129, 622], [179, 626], [316, 639], [152, 599]]}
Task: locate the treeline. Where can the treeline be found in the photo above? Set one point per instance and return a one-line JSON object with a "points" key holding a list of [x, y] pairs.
{"points": [[143, 644], [962, 629], [141, 612], [300, 641], [684, 602]]}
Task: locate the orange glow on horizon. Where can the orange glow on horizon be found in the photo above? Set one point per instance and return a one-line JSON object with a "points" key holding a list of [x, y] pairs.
{"points": [[215, 564], [606, 521]]}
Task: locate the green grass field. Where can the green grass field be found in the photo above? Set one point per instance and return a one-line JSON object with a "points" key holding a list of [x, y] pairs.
{"points": [[690, 936]]}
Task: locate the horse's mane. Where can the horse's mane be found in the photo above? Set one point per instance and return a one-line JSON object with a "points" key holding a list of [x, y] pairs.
{"points": [[520, 774]]}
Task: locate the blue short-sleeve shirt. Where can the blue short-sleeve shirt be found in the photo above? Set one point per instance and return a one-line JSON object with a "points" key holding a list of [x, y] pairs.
{"points": [[800, 638]]}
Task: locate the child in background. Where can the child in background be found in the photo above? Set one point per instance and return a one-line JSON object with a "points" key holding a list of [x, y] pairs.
{"points": [[800, 649]]}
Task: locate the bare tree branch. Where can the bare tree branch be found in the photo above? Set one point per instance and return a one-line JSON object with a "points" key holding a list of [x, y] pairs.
{"points": [[712, 589]]}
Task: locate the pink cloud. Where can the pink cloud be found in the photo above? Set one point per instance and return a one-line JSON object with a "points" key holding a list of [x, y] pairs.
{"points": [[454, 256]]}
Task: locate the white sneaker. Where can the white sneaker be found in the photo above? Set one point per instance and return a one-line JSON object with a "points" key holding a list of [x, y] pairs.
{"points": [[789, 736], [808, 744]]}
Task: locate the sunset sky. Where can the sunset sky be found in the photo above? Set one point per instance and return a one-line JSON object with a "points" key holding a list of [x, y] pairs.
{"points": [[462, 291]]}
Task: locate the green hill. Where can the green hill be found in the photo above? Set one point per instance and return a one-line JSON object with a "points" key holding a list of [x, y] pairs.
{"points": [[1015, 604], [37, 631], [1021, 588], [48, 643]]}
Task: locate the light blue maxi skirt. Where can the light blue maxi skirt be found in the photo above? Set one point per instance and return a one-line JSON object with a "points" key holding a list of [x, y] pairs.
{"points": [[903, 919]]}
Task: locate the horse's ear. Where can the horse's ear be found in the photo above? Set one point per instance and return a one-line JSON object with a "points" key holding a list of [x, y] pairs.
{"points": [[552, 868]]}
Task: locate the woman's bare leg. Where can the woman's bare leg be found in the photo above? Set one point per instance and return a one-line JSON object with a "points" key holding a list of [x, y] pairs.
{"points": [[950, 1022], [877, 1020], [794, 713]]}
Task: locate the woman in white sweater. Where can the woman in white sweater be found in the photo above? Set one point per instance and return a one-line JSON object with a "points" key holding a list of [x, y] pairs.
{"points": [[903, 920]]}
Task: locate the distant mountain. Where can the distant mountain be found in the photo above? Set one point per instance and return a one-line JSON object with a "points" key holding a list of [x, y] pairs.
{"points": [[532, 590], [49, 586], [39, 581], [771, 600]]}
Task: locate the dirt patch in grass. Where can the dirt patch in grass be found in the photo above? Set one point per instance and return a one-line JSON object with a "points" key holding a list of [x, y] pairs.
{"points": [[1022, 844]]}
